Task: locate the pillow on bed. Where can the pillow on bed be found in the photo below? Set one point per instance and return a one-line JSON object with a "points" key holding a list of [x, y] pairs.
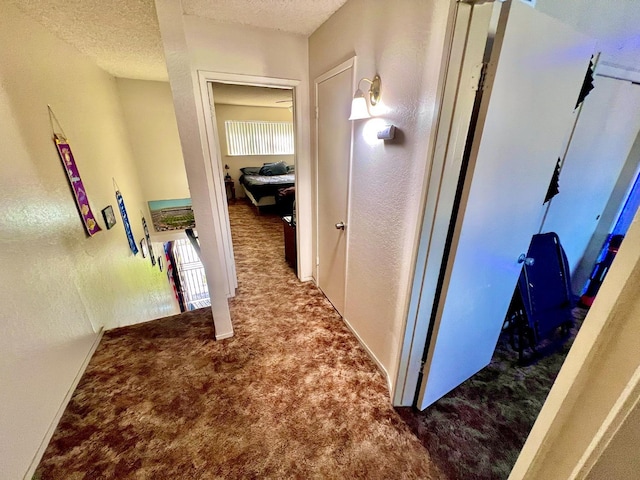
{"points": [[269, 169], [291, 169], [250, 170]]}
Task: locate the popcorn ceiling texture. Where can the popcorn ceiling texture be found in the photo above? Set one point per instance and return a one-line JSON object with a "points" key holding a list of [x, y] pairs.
{"points": [[293, 16], [122, 36], [613, 23]]}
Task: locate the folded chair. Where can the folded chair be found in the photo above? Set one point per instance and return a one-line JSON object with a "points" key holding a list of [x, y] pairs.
{"points": [[542, 301]]}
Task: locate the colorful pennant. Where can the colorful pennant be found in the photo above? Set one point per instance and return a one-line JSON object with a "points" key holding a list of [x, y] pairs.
{"points": [[79, 193], [125, 222]]}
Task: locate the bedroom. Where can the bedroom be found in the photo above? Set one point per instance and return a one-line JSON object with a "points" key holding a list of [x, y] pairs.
{"points": [[255, 131]]}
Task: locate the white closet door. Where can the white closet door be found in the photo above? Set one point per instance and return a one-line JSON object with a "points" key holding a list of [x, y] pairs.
{"points": [[526, 110]]}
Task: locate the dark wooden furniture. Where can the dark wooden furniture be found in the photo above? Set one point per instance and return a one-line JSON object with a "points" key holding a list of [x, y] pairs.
{"points": [[231, 187], [290, 247]]}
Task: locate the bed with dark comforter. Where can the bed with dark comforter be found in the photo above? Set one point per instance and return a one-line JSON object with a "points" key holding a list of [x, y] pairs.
{"points": [[262, 186]]}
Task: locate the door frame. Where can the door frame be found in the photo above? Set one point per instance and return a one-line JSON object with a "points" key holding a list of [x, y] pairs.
{"points": [[338, 69], [446, 162], [573, 381], [211, 146]]}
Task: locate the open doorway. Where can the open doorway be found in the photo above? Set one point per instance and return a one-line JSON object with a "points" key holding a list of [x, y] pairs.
{"points": [[255, 132], [257, 147]]}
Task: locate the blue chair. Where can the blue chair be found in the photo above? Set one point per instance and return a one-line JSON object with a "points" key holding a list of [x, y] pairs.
{"points": [[543, 301]]}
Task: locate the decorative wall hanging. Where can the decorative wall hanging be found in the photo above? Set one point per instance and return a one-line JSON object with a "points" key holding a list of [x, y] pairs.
{"points": [[143, 247], [125, 219], [148, 238], [73, 175], [109, 217]]}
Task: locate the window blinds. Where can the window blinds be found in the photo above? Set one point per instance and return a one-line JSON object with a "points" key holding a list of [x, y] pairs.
{"points": [[259, 138]]}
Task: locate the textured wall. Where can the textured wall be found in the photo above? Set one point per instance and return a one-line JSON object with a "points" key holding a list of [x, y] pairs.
{"points": [[402, 42], [153, 133], [58, 286], [238, 112], [239, 49]]}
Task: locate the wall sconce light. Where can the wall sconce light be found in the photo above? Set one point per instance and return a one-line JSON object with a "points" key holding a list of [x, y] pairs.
{"points": [[359, 108]]}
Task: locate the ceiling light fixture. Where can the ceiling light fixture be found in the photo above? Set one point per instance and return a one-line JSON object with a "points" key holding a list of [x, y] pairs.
{"points": [[359, 108]]}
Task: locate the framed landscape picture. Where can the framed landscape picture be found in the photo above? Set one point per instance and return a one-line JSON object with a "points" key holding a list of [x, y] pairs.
{"points": [[175, 214]]}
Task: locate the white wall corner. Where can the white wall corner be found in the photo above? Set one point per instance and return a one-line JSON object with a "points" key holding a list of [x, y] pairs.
{"points": [[189, 114], [63, 406], [372, 355]]}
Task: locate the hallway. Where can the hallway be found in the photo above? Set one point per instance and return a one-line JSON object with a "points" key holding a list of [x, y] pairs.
{"points": [[291, 395]]}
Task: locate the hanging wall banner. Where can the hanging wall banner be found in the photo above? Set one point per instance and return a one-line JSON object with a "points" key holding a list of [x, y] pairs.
{"points": [[125, 222], [89, 221]]}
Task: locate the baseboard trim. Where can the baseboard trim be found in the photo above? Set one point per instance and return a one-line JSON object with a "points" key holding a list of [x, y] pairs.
{"points": [[65, 401], [378, 363]]}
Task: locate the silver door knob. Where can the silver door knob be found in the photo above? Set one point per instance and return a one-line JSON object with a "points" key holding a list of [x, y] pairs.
{"points": [[528, 261], [340, 225]]}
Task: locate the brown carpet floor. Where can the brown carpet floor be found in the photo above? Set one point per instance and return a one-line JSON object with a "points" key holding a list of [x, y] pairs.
{"points": [[477, 430], [291, 395]]}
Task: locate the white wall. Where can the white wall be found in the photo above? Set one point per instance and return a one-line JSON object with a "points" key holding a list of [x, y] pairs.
{"points": [[153, 133], [609, 216], [244, 50], [193, 44], [402, 42], [58, 286], [605, 132], [239, 112]]}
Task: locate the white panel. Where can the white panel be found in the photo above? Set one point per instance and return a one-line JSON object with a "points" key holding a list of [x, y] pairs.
{"points": [[334, 151], [608, 126], [470, 38], [536, 82]]}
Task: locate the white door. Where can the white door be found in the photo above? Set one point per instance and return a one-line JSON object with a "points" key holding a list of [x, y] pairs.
{"points": [[334, 92], [525, 112]]}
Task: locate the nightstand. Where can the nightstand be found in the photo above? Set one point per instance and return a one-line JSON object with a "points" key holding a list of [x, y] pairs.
{"points": [[290, 247], [230, 185]]}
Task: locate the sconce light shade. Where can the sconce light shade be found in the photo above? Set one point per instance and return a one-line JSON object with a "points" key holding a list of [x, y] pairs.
{"points": [[359, 109]]}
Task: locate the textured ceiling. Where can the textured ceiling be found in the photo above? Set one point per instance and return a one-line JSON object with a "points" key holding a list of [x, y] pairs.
{"points": [[614, 23], [251, 96], [294, 16], [123, 36]]}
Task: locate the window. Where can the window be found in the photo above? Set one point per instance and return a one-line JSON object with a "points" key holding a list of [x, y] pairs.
{"points": [[259, 138]]}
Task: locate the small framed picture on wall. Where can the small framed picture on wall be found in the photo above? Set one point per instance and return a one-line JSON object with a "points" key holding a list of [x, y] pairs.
{"points": [[109, 217], [143, 247]]}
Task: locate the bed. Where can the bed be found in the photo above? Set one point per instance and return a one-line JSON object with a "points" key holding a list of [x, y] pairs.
{"points": [[262, 184]]}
